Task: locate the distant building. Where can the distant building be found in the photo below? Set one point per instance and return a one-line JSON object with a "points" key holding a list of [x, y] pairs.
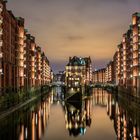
{"points": [[60, 77], [78, 72], [99, 76], [109, 73], [46, 71], [105, 75]]}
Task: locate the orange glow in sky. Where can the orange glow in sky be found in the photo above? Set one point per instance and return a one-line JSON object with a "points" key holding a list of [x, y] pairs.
{"points": [[66, 28]]}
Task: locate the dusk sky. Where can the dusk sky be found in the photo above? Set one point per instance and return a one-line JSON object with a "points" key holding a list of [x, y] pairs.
{"points": [[66, 28]]}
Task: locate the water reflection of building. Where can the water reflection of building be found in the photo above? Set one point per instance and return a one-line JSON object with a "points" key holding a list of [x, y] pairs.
{"points": [[28, 123], [78, 117], [125, 118], [34, 124], [126, 127], [99, 76], [124, 114], [100, 97]]}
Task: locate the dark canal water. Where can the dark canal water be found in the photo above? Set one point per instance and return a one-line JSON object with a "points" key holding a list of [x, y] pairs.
{"points": [[101, 116]]}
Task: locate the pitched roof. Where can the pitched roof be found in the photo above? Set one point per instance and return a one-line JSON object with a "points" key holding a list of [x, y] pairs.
{"points": [[76, 61]]}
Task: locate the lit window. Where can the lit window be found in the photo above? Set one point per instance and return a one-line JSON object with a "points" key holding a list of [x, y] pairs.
{"points": [[134, 20], [0, 70], [0, 55]]}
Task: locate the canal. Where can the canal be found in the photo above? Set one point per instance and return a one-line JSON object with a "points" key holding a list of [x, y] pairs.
{"points": [[100, 116]]}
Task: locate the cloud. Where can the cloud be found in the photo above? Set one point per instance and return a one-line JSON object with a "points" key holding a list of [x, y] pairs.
{"points": [[74, 37]]}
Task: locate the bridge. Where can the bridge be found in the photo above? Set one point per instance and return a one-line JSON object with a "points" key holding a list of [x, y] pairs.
{"points": [[58, 83]]}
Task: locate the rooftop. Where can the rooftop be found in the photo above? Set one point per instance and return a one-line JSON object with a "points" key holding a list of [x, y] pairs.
{"points": [[78, 61]]}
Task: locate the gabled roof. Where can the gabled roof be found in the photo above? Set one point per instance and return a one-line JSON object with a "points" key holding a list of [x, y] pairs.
{"points": [[76, 61]]}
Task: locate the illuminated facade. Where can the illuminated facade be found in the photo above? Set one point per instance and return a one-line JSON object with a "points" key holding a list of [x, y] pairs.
{"points": [[20, 54], [78, 72], [8, 25], [105, 75], [30, 61], [46, 70], [127, 59], [99, 76], [49, 73], [38, 66], [109, 73], [21, 63], [124, 70], [136, 50], [119, 63], [125, 62]]}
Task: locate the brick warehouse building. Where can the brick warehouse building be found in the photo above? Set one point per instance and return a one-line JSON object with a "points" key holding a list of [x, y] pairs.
{"points": [[124, 70], [128, 58], [8, 43], [21, 66]]}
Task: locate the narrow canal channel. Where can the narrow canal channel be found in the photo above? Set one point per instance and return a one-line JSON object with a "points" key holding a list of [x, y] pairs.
{"points": [[101, 116]]}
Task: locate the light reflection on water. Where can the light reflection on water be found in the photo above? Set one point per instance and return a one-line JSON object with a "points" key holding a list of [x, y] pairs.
{"points": [[99, 116]]}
